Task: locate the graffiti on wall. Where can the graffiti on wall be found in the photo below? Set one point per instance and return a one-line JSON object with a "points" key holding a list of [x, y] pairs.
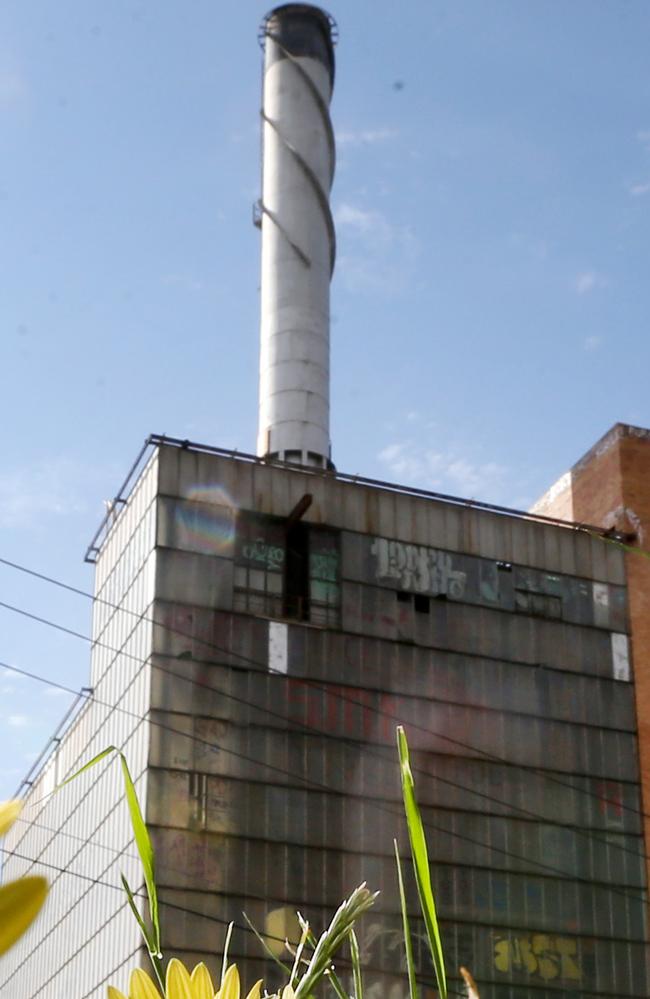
{"points": [[260, 552], [418, 568], [546, 957]]}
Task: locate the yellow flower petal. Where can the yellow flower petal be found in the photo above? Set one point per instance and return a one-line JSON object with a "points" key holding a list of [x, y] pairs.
{"points": [[256, 991], [231, 986], [178, 981], [9, 812], [287, 992], [20, 902], [202, 983], [141, 986], [115, 993]]}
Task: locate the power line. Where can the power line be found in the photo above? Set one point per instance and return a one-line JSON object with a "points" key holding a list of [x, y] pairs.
{"points": [[266, 669], [193, 912], [247, 929], [372, 802]]}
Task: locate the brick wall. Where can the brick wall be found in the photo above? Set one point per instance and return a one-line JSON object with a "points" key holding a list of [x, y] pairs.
{"points": [[610, 487]]}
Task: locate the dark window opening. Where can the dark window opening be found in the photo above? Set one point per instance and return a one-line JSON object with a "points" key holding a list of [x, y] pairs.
{"points": [[287, 570], [296, 577], [421, 603], [538, 604], [403, 597]]}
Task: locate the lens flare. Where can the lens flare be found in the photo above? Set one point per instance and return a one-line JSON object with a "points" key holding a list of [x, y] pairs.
{"points": [[205, 522]]}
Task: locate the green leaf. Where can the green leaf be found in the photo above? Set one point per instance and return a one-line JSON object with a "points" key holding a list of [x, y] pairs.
{"points": [[420, 858], [274, 957], [142, 841], [408, 943], [134, 909], [145, 849], [91, 763], [330, 974], [356, 966], [224, 957]]}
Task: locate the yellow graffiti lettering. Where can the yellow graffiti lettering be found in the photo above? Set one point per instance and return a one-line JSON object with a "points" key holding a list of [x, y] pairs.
{"points": [[538, 954], [548, 962], [566, 948], [502, 949]]}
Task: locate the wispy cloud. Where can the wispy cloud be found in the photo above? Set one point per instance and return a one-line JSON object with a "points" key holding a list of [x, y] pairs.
{"points": [[643, 135], [13, 88], [446, 471], [365, 137], [587, 281], [364, 223], [592, 343], [49, 489], [17, 721], [638, 190], [375, 255]]}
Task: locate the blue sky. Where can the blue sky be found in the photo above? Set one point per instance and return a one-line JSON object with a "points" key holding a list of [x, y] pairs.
{"points": [[491, 299]]}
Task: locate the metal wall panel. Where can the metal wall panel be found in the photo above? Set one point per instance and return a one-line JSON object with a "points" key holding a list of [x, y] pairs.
{"points": [[358, 661], [255, 753], [439, 573], [366, 717], [180, 799], [345, 505]]}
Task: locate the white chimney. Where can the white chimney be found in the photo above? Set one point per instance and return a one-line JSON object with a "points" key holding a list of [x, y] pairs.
{"points": [[298, 240]]}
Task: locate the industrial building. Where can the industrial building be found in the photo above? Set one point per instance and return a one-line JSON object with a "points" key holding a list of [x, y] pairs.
{"points": [[263, 622]]}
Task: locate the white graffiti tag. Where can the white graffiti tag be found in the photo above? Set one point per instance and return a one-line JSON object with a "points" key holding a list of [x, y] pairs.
{"points": [[417, 568]]}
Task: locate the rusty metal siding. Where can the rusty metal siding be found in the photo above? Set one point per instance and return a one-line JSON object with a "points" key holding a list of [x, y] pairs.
{"points": [[418, 520], [271, 791], [376, 665]]}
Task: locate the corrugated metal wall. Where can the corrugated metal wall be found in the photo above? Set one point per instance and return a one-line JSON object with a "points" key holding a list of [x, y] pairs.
{"points": [[81, 838], [499, 643]]}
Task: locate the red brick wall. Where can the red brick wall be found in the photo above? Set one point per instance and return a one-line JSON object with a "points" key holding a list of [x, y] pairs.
{"points": [[610, 487]]}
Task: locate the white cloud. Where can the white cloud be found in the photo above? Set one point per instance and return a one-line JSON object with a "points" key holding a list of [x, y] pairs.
{"points": [[446, 471], [364, 223], [374, 254], [48, 489], [365, 137], [637, 190], [592, 343], [585, 282], [17, 721]]}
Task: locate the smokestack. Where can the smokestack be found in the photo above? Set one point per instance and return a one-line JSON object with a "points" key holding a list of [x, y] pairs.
{"points": [[298, 239]]}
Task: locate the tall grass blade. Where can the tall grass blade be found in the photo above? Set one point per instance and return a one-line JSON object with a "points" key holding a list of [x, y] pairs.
{"points": [[267, 949], [408, 943], [330, 974], [91, 763], [339, 929], [145, 849], [224, 957], [421, 868], [356, 966], [142, 841], [138, 918]]}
